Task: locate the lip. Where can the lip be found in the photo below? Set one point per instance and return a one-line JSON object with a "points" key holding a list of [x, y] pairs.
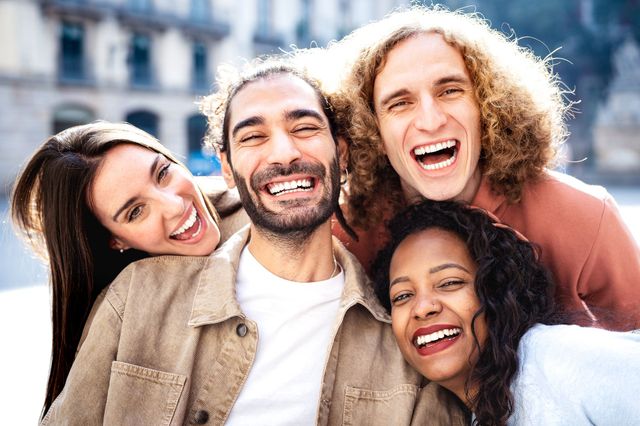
{"points": [[438, 346]]}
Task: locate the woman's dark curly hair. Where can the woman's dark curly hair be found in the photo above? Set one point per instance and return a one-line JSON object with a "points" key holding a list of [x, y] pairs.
{"points": [[514, 290]]}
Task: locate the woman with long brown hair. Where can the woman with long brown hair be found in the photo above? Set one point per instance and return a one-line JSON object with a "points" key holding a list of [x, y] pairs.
{"points": [[93, 199]]}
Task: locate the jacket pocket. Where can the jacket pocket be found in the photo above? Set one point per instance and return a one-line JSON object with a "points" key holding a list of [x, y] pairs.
{"points": [[141, 396], [379, 407]]}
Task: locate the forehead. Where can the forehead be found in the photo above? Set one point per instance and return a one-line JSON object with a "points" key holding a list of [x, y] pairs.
{"points": [[431, 246], [428, 52], [120, 157], [122, 164], [273, 96]]}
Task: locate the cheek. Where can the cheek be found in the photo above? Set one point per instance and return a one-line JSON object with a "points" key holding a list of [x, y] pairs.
{"points": [[398, 324]]}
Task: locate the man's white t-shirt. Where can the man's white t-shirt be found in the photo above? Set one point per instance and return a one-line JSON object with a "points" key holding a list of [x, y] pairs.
{"points": [[295, 323]]}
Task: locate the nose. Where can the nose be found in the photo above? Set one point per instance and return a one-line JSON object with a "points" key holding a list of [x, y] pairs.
{"points": [[430, 116], [283, 149], [426, 306], [172, 203]]}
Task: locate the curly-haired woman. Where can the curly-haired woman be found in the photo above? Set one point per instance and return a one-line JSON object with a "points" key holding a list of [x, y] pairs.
{"points": [[472, 310], [440, 106]]}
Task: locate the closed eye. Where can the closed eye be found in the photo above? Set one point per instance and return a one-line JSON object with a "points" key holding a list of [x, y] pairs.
{"points": [[306, 130], [397, 105], [450, 285], [253, 137], [451, 91]]}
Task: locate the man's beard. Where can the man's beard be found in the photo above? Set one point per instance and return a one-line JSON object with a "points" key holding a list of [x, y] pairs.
{"points": [[294, 222]]}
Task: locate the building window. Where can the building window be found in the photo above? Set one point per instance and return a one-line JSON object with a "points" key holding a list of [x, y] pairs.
{"points": [[72, 51], [140, 5], [303, 29], [345, 22], [200, 162], [264, 17], [144, 120], [69, 116], [140, 60], [200, 10], [200, 79]]}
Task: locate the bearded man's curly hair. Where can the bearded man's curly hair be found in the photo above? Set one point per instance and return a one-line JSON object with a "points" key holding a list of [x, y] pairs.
{"points": [[522, 106], [515, 292]]}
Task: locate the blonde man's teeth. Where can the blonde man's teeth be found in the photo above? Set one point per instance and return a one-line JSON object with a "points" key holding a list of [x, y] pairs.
{"points": [[188, 224], [428, 149]]}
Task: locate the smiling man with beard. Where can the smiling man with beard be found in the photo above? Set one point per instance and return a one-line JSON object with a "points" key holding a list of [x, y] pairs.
{"points": [[279, 325], [321, 347]]}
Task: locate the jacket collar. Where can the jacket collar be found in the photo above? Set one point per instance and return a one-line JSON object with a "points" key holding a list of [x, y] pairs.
{"points": [[358, 288], [215, 298]]}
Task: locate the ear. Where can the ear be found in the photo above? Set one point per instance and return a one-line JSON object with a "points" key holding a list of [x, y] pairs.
{"points": [[227, 171], [117, 244], [343, 153]]}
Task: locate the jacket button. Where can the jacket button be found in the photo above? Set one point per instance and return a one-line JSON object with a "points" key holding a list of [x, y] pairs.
{"points": [[201, 417], [241, 330]]}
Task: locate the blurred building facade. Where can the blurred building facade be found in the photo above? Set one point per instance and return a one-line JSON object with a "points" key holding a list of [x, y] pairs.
{"points": [[617, 128], [68, 62]]}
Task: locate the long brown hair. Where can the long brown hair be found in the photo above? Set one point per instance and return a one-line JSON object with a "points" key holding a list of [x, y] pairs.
{"points": [[49, 205]]}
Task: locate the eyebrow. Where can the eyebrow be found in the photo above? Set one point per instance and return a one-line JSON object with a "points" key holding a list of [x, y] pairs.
{"points": [[132, 200], [247, 122], [390, 96], [432, 271], [303, 113], [453, 78]]}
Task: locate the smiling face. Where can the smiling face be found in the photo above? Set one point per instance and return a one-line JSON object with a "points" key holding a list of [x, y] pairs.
{"points": [[429, 119], [283, 157], [433, 301], [151, 204]]}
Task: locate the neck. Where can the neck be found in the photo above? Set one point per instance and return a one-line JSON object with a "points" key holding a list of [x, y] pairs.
{"points": [[471, 189], [459, 390], [301, 260]]}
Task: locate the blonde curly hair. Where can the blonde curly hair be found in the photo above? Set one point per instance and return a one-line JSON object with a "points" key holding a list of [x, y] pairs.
{"points": [[522, 105]]}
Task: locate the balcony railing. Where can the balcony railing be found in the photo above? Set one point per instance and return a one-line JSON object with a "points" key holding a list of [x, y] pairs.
{"points": [[87, 9]]}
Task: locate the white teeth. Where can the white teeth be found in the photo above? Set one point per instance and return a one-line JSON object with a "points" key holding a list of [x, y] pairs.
{"points": [[188, 224], [290, 186], [428, 338], [440, 165], [428, 149]]}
